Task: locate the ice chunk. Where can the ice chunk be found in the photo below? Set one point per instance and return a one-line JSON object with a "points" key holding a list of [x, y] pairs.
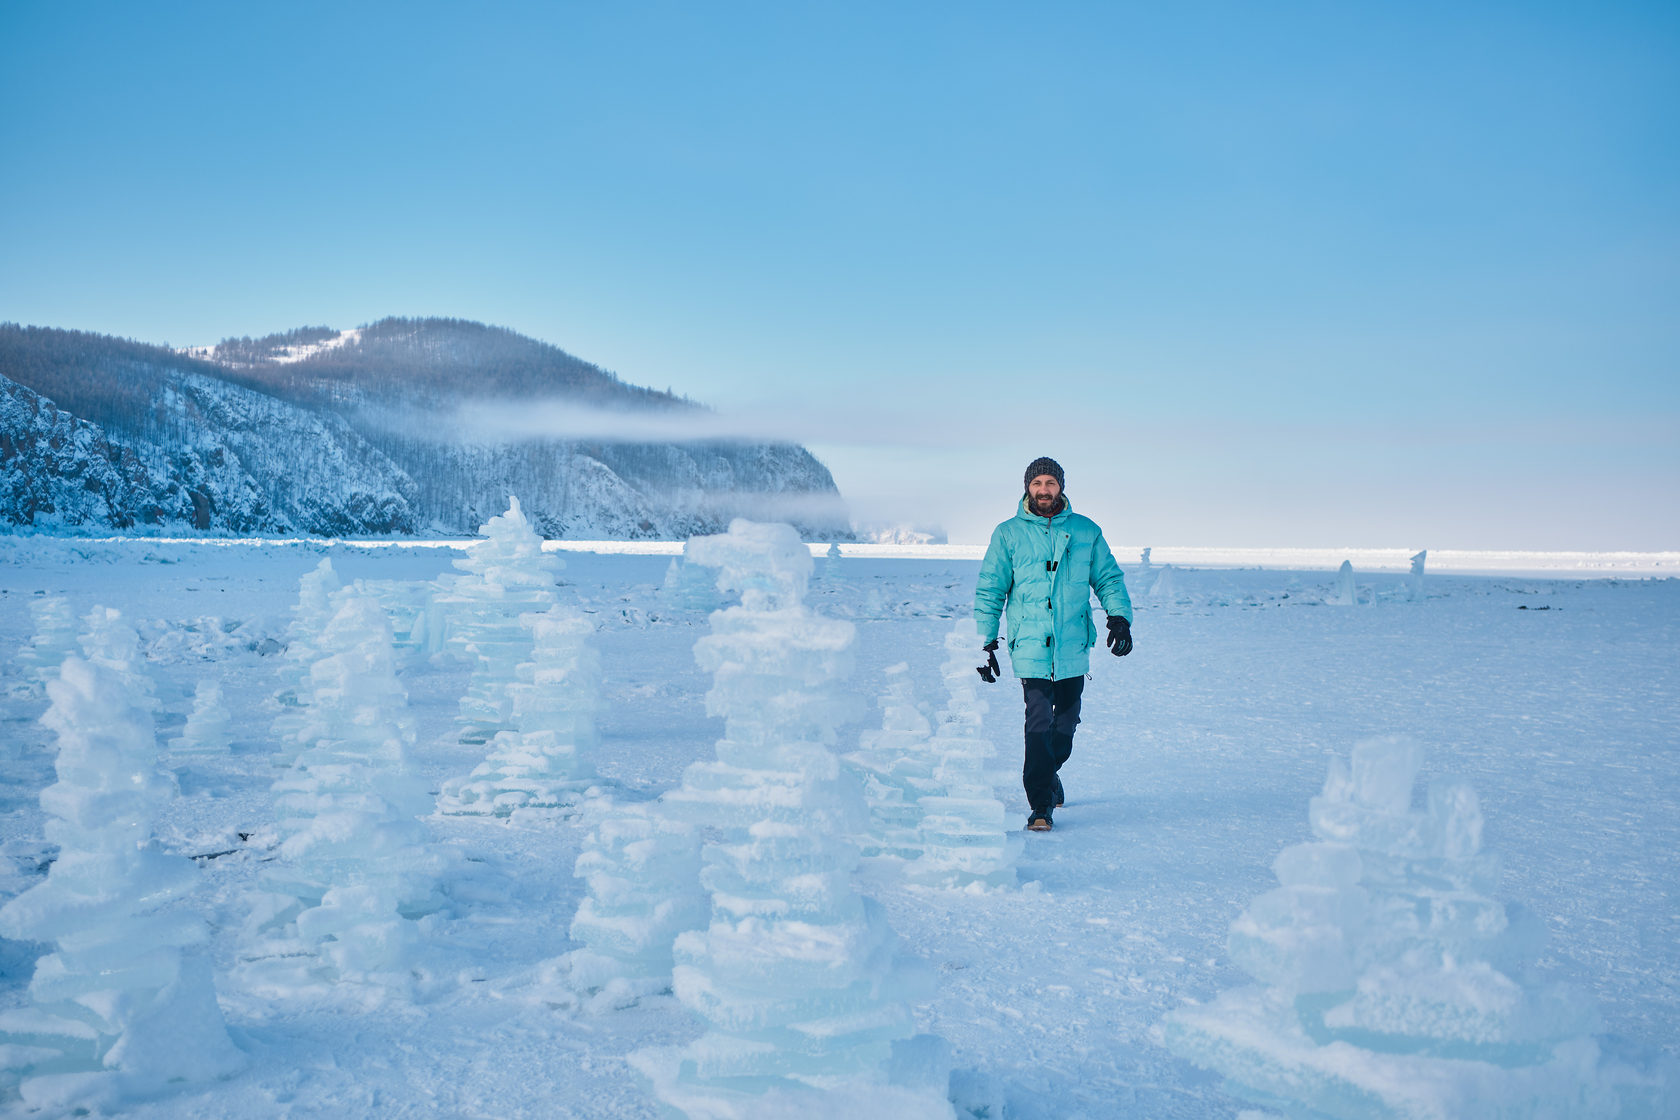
{"points": [[1345, 592], [1392, 984]]}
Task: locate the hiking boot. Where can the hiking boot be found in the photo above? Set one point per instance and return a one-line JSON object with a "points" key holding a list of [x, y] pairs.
{"points": [[1060, 800], [1039, 821]]}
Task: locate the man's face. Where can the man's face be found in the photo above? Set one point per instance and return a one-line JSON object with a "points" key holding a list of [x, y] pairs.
{"points": [[1043, 492]]}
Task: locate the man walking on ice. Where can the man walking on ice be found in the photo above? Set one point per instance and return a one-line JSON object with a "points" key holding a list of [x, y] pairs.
{"points": [[1042, 565]]}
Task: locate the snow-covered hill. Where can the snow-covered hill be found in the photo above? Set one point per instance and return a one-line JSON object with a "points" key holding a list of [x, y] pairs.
{"points": [[346, 433], [242, 462]]}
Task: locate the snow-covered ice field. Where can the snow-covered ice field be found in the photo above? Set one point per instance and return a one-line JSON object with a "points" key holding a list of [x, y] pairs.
{"points": [[1557, 699]]}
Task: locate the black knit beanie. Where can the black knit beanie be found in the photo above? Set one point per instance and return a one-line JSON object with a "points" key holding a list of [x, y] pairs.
{"points": [[1044, 465]]}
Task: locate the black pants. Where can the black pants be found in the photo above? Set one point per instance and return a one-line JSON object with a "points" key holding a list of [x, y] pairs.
{"points": [[1052, 714]]}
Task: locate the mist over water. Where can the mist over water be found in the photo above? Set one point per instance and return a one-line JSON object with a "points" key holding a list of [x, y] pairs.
{"points": [[511, 420]]}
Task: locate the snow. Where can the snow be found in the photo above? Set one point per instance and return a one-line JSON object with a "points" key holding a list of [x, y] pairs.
{"points": [[284, 355], [1556, 700]]}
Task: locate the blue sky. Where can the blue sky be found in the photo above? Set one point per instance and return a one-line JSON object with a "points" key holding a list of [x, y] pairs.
{"points": [[1313, 274]]}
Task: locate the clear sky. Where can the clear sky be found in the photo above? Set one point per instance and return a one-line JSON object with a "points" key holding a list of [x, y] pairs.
{"points": [[1276, 274]]}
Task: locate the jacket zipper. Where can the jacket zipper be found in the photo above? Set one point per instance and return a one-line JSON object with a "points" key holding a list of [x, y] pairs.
{"points": [[1050, 540]]}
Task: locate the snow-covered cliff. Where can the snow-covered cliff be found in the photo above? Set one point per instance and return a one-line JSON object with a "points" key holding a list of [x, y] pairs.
{"points": [[243, 463], [347, 433]]}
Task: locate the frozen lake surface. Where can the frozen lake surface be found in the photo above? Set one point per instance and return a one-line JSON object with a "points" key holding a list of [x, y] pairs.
{"points": [[1557, 699]]}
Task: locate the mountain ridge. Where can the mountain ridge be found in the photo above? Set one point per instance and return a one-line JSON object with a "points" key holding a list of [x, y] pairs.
{"points": [[293, 432]]}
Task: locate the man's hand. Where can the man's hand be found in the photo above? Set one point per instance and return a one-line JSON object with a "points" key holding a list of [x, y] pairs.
{"points": [[989, 671], [1119, 635]]}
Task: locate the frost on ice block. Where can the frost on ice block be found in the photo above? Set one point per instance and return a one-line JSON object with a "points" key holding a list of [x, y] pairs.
{"points": [[796, 977], [1393, 984]]}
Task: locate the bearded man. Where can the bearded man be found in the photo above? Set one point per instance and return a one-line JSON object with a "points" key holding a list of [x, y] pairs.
{"points": [[1040, 568]]}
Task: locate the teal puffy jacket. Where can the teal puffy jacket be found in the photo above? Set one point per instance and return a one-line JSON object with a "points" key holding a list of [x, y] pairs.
{"points": [[1045, 569]]}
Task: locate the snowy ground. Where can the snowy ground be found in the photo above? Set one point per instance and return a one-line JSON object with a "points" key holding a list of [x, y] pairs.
{"points": [[1557, 699]]}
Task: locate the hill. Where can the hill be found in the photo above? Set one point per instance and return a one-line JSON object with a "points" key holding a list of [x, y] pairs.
{"points": [[350, 432]]}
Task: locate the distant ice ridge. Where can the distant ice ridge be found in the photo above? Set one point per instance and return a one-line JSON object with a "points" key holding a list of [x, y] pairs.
{"points": [[355, 868], [642, 870], [553, 703], [1391, 983], [795, 977], [896, 765], [505, 575], [122, 1008], [964, 833]]}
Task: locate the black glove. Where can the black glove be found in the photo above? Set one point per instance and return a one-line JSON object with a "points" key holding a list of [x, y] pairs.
{"points": [[989, 671], [1119, 635]]}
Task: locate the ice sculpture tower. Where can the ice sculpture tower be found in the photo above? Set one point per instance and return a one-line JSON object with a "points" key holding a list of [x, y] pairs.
{"points": [[122, 1006], [964, 832], [896, 763], [642, 870], [1391, 983], [355, 863], [690, 586], [553, 702], [795, 977], [209, 728], [505, 575], [309, 616]]}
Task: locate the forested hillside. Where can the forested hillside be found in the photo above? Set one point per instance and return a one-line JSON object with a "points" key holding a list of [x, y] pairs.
{"points": [[346, 432]]}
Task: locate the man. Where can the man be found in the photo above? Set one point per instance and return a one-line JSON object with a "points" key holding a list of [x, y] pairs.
{"points": [[1042, 565]]}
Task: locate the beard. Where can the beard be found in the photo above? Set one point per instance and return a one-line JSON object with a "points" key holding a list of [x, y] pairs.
{"points": [[1045, 505]]}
